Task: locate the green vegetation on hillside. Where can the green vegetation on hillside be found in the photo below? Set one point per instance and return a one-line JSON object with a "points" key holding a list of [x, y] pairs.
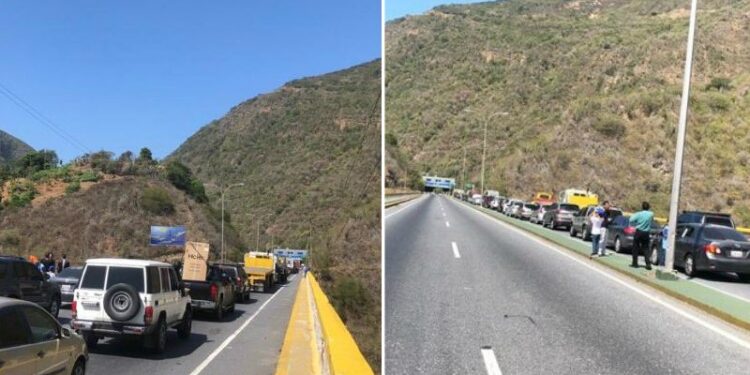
{"points": [[309, 155], [592, 89]]}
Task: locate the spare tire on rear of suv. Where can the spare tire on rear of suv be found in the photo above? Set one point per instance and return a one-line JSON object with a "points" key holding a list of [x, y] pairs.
{"points": [[121, 302]]}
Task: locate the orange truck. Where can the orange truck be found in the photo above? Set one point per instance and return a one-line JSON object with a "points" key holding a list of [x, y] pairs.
{"points": [[543, 198]]}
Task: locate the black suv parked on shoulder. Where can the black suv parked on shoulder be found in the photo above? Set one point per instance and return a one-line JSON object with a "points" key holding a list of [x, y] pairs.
{"points": [[20, 279]]}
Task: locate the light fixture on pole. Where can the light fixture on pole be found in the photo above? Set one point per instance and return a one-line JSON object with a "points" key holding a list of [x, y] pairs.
{"points": [[223, 191], [674, 202]]}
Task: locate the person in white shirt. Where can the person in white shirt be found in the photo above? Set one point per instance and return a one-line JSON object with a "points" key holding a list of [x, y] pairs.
{"points": [[596, 232]]}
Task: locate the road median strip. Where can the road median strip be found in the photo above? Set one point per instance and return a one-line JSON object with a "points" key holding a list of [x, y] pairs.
{"points": [[317, 335], [730, 309]]}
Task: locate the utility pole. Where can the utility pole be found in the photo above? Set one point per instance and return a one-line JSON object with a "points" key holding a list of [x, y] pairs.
{"points": [[463, 171], [257, 236], [674, 203], [223, 191], [484, 144]]}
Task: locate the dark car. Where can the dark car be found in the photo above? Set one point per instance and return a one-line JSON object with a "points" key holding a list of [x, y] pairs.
{"points": [[215, 295], [20, 279], [582, 221], [712, 248], [698, 217], [237, 273], [559, 215], [620, 234], [67, 280]]}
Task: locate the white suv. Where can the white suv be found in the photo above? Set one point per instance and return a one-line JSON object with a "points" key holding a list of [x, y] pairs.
{"points": [[126, 297]]}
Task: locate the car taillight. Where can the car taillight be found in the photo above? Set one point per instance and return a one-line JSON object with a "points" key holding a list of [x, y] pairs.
{"points": [[239, 281], [214, 292], [711, 249], [629, 230], [74, 309], [148, 315]]}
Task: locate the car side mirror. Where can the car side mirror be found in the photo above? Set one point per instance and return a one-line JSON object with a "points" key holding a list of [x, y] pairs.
{"points": [[65, 332]]}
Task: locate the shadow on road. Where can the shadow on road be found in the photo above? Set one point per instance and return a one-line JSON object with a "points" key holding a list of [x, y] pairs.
{"points": [[133, 348], [726, 277], [228, 317]]}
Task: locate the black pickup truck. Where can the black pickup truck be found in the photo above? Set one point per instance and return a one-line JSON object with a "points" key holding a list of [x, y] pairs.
{"points": [[215, 295]]}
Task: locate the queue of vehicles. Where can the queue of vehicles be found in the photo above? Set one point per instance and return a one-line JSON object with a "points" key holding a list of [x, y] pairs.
{"points": [[705, 241], [111, 297]]}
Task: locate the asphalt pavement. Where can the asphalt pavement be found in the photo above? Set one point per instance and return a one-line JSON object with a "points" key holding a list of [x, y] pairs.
{"points": [[467, 294], [245, 342]]}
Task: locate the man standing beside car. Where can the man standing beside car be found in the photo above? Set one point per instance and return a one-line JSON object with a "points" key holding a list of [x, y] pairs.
{"points": [[641, 220]]}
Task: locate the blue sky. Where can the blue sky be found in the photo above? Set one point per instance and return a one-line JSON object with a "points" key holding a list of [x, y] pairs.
{"points": [[122, 75], [400, 8]]}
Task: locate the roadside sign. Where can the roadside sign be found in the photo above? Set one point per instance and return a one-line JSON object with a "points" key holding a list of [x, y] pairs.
{"points": [[195, 261], [439, 182], [290, 253], [167, 236]]}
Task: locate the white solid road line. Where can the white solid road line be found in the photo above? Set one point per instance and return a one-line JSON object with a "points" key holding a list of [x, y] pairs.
{"points": [[490, 362], [405, 206], [447, 224], [231, 338], [455, 250], [668, 305]]}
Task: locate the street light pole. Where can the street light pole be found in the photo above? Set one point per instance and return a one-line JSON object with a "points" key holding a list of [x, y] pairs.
{"points": [[674, 203], [223, 191]]}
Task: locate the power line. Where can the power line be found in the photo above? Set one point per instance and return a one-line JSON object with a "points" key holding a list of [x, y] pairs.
{"points": [[41, 118]]}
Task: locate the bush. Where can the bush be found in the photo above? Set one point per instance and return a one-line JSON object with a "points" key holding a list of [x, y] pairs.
{"points": [[73, 187], [719, 84], [21, 194], [391, 139], [36, 161], [89, 176], [610, 126], [10, 237], [350, 298], [157, 201], [182, 178], [718, 102], [50, 174]]}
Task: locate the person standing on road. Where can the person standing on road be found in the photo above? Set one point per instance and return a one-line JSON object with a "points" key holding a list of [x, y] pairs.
{"points": [[63, 263], [641, 220], [606, 220], [661, 257], [596, 230]]}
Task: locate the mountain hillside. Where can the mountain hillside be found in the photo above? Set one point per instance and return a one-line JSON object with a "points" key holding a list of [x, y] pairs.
{"points": [[11, 148], [107, 218], [309, 156], [591, 89]]}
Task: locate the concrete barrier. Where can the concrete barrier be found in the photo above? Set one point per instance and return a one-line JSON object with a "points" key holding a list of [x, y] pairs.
{"points": [[317, 341]]}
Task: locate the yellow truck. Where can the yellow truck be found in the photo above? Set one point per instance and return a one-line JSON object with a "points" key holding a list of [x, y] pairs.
{"points": [[581, 198], [259, 267]]}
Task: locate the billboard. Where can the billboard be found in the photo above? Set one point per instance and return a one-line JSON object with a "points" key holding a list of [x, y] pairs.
{"points": [[439, 182], [290, 253], [167, 236]]}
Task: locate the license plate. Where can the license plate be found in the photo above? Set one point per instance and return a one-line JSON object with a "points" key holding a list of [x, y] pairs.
{"points": [[65, 288], [736, 254]]}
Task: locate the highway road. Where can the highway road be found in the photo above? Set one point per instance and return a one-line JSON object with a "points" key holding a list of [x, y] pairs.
{"points": [[468, 294], [246, 342]]}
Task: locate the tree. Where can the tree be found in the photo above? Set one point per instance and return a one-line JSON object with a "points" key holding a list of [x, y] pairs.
{"points": [[145, 157], [36, 161]]}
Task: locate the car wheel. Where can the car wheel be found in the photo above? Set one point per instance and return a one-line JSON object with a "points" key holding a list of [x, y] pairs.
{"points": [[183, 331], [79, 368], [585, 235], [54, 306], [618, 245], [572, 231], [689, 266], [219, 314], [160, 338], [91, 340]]}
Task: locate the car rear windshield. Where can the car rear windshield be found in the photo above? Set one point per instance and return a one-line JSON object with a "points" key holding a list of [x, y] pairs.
{"points": [[518, 203], [126, 275], [719, 220], [531, 206], [231, 271], [719, 234], [93, 278], [71, 272], [569, 207]]}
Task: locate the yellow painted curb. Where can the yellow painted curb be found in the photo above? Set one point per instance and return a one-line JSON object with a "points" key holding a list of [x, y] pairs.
{"points": [[344, 356], [299, 354]]}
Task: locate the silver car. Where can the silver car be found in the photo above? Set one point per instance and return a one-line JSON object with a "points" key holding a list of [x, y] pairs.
{"points": [[33, 342]]}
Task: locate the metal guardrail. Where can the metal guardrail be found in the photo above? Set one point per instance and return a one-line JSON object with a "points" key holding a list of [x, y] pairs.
{"points": [[404, 198]]}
